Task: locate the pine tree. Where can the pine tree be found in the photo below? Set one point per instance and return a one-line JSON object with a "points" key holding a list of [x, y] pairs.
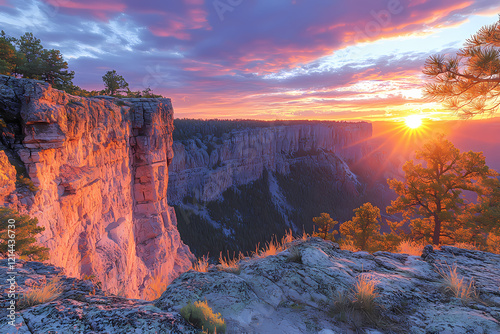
{"points": [[364, 228], [113, 82], [54, 70], [25, 230], [325, 226], [431, 196], [468, 82]]}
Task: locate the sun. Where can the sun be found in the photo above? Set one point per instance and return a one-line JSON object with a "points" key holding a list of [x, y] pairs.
{"points": [[413, 121]]}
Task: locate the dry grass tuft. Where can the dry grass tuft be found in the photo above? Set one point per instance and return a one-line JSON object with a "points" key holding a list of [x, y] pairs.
{"points": [[202, 316], [465, 245], [410, 247], [348, 245], [156, 287], [230, 264], [41, 294], [201, 264], [364, 293], [453, 283]]}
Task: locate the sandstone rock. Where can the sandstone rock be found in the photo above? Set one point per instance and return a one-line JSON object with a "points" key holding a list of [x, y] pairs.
{"points": [[102, 173], [82, 307], [275, 295], [7, 177]]}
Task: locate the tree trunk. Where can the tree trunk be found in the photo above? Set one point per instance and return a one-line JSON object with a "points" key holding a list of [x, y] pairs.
{"points": [[437, 230]]}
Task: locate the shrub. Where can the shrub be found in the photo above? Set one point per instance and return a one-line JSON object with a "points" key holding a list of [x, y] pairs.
{"points": [[348, 245], [157, 285], [41, 294], [295, 255], [201, 315], [410, 247], [24, 232], [201, 264], [453, 283], [28, 183]]}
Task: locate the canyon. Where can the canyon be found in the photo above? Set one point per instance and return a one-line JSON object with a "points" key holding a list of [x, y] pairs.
{"points": [[204, 167], [97, 171]]}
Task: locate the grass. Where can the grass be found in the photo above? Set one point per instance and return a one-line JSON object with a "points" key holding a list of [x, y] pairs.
{"points": [[410, 247], [295, 255], [358, 306], [348, 245], [230, 264], [202, 316], [364, 293], [157, 286], [41, 294], [201, 264], [457, 285], [465, 245]]}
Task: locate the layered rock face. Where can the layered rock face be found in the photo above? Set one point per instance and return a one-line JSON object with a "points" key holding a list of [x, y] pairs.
{"points": [[101, 169], [205, 168]]}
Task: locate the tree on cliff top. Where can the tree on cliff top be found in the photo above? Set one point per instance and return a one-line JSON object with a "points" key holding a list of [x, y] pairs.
{"points": [[468, 83], [431, 195], [22, 231], [113, 82], [10, 59]]}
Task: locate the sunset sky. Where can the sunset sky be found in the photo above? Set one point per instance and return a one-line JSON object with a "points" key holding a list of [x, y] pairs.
{"points": [[263, 59]]}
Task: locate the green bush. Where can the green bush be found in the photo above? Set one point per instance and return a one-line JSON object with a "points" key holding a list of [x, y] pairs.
{"points": [[28, 183], [23, 234], [202, 316]]}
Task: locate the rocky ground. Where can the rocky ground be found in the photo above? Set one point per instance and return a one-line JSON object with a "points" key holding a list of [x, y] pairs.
{"points": [[294, 291], [82, 308]]}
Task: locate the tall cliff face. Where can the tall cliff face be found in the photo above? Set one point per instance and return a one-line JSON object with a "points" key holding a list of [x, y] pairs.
{"points": [[101, 169], [205, 168]]}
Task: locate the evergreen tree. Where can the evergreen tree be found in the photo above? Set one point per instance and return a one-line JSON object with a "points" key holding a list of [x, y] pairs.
{"points": [[32, 49], [25, 230], [54, 70], [10, 59], [364, 228], [113, 82], [431, 195], [469, 82], [325, 226]]}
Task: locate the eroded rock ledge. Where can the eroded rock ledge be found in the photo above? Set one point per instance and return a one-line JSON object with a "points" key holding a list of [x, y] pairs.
{"points": [[101, 169], [290, 292], [276, 295]]}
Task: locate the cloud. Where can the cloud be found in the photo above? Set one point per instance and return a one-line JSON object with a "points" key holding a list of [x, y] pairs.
{"points": [[259, 58]]}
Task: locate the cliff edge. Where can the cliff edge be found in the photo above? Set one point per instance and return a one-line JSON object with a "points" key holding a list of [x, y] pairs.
{"points": [[99, 172]]}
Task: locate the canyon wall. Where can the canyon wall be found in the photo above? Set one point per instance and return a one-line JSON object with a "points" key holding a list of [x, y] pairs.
{"points": [[100, 166], [204, 168]]}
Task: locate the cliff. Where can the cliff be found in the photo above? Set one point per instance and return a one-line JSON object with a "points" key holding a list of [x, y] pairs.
{"points": [[204, 167], [100, 166]]}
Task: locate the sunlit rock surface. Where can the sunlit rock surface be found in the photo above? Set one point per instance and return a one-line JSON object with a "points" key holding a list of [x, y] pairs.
{"points": [[277, 295], [205, 168], [101, 169], [81, 308]]}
